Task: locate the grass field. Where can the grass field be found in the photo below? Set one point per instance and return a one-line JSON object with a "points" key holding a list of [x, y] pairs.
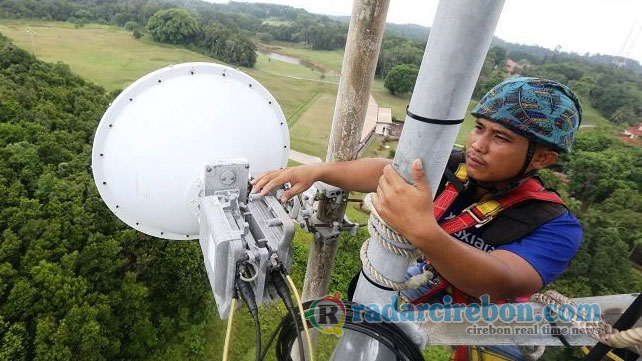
{"points": [[109, 56], [112, 58], [311, 132], [590, 116]]}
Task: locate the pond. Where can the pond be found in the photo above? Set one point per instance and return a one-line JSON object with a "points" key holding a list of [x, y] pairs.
{"points": [[284, 58]]}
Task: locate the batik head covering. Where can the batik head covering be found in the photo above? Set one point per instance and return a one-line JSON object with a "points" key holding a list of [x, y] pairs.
{"points": [[541, 110]]}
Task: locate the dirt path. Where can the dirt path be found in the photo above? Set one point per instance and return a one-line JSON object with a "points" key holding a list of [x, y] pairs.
{"points": [[303, 158]]}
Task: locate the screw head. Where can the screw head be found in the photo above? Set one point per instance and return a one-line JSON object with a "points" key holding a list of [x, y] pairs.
{"points": [[228, 177], [208, 169]]}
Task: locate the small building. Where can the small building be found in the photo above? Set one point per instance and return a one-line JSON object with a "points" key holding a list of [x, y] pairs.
{"points": [[515, 67], [386, 126], [634, 133]]}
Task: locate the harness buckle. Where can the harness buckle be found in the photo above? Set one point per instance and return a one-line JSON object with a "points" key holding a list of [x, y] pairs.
{"points": [[480, 222]]}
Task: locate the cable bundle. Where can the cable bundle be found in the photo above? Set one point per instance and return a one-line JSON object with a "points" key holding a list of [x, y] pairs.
{"points": [[389, 334]]}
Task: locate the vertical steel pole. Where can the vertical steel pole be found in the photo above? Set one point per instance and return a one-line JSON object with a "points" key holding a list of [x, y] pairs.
{"points": [[357, 73], [454, 55]]}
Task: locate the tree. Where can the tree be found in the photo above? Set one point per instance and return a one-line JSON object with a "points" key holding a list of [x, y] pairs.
{"points": [[625, 115], [174, 26], [266, 38], [401, 78], [396, 50], [131, 25], [233, 48]]}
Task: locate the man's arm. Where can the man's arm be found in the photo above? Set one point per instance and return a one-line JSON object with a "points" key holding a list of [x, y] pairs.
{"points": [[409, 210], [499, 274], [361, 175]]}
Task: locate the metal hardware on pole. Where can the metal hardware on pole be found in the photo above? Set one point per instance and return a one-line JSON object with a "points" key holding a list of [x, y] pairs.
{"points": [[454, 55]]}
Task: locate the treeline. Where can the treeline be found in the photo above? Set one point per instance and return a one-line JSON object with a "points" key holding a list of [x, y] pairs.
{"points": [[211, 37], [614, 91], [75, 282]]}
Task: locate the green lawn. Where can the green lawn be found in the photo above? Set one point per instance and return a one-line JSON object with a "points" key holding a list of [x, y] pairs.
{"points": [[311, 132], [590, 116], [397, 103], [112, 58], [108, 56]]}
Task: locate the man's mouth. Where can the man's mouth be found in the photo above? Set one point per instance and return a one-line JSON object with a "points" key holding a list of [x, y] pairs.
{"points": [[474, 161]]}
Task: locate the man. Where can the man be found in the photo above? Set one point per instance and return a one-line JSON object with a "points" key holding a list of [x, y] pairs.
{"points": [[522, 124]]}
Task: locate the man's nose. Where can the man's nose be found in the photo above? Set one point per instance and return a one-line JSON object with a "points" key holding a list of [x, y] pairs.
{"points": [[480, 144]]}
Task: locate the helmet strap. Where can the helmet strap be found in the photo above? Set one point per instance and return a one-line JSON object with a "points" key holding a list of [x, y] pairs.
{"points": [[529, 157]]}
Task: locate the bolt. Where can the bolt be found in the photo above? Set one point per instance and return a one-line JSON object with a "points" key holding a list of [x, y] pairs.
{"points": [[228, 177], [247, 166], [208, 169]]}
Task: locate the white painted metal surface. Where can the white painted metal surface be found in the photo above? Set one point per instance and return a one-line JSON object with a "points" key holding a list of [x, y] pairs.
{"points": [[155, 138]]}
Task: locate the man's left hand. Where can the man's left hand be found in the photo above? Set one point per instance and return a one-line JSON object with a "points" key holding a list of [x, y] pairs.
{"points": [[406, 208]]}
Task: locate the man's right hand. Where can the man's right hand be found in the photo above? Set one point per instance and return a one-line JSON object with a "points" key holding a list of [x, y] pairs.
{"points": [[300, 178]]}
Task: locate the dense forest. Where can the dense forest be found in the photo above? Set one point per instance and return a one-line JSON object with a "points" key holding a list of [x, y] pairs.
{"points": [[77, 284]]}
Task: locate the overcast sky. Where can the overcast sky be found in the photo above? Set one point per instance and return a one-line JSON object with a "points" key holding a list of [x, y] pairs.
{"points": [[594, 26]]}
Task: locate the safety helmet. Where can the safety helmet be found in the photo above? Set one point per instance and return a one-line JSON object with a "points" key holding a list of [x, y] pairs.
{"points": [[544, 111]]}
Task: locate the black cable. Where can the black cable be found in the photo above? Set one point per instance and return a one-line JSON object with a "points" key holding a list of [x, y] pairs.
{"points": [[272, 337], [245, 290], [389, 334], [283, 291], [257, 336]]}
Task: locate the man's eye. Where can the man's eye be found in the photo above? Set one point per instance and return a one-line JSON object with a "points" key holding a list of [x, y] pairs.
{"points": [[502, 139]]}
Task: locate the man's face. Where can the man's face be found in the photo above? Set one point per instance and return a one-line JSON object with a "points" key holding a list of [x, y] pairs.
{"points": [[494, 153]]}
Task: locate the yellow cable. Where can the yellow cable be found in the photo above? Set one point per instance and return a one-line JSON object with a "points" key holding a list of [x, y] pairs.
{"points": [[305, 324], [226, 346], [610, 354]]}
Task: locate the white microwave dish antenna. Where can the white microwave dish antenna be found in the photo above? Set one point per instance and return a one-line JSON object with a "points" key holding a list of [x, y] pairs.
{"points": [[154, 140]]}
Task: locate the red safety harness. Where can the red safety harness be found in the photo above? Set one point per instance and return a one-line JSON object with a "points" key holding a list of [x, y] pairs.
{"points": [[477, 215]]}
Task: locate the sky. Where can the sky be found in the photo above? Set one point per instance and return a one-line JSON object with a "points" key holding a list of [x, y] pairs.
{"points": [[581, 26]]}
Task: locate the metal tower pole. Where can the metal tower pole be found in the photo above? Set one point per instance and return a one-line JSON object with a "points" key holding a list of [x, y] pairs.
{"points": [[454, 55], [357, 74]]}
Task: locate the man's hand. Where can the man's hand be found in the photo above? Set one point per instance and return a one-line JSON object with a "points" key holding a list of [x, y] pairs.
{"points": [[301, 178], [406, 208]]}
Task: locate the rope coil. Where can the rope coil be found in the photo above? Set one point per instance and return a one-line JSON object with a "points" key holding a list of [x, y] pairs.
{"points": [[393, 242], [600, 330]]}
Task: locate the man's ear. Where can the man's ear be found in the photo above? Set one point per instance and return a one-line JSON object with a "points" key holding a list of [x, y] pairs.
{"points": [[543, 157]]}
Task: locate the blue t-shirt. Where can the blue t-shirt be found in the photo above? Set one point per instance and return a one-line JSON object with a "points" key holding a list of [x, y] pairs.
{"points": [[549, 248]]}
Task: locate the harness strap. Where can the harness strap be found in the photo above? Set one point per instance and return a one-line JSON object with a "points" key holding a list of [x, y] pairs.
{"points": [[478, 214], [451, 191]]}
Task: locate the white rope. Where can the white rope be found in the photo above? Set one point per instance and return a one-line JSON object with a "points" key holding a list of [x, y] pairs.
{"points": [[600, 330], [532, 353], [393, 242]]}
